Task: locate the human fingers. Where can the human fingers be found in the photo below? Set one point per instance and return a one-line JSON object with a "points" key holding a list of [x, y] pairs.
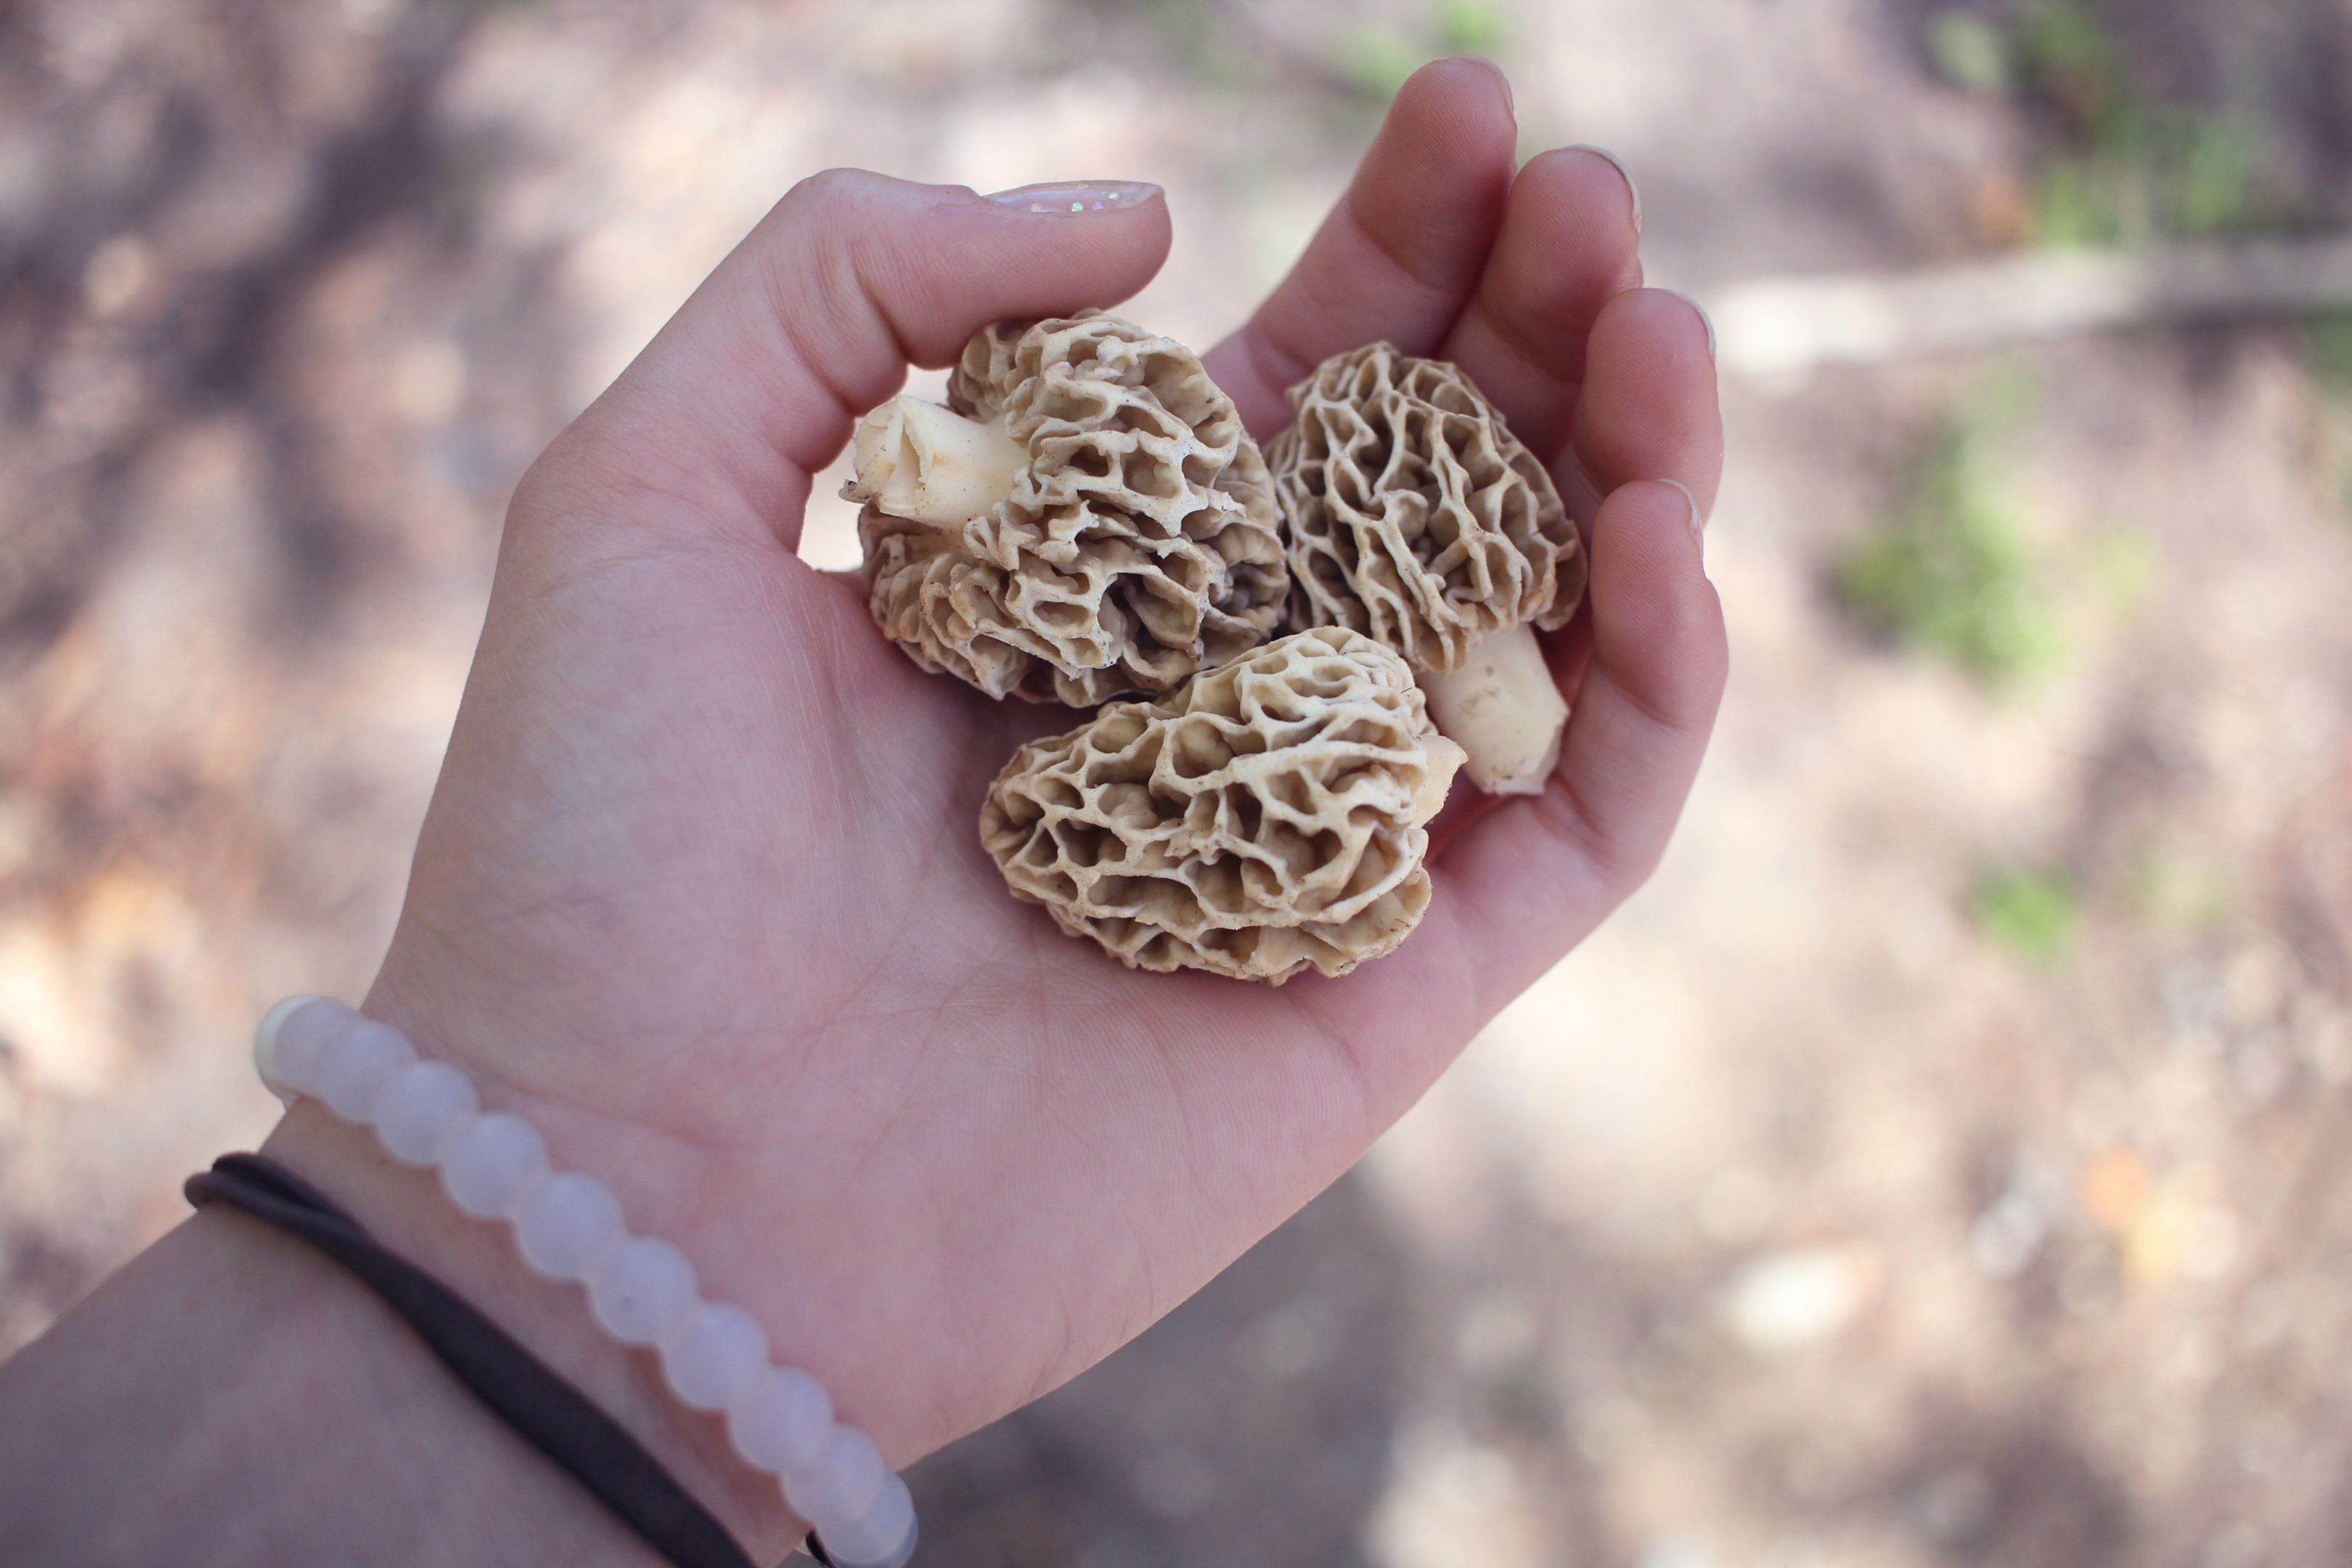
{"points": [[815, 317], [1531, 878], [1569, 241], [1648, 408], [1400, 252]]}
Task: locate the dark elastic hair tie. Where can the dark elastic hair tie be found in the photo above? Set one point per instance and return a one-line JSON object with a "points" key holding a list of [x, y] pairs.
{"points": [[548, 1413]]}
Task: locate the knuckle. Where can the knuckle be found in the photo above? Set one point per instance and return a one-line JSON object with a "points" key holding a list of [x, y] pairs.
{"points": [[828, 187], [1611, 857], [818, 204]]}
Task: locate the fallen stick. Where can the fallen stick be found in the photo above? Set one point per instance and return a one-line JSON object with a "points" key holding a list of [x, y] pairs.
{"points": [[1776, 326]]}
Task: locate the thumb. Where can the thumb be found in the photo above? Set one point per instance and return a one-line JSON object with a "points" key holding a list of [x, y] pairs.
{"points": [[753, 385]]}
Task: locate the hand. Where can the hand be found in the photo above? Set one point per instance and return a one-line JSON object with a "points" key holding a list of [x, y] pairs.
{"points": [[701, 891]]}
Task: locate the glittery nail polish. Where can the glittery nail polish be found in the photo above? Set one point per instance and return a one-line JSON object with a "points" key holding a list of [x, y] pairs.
{"points": [[1075, 198]]}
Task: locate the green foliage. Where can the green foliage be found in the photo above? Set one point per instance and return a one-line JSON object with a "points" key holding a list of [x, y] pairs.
{"points": [[2328, 355], [2214, 176], [2126, 168], [2064, 55], [1374, 58], [2328, 349], [2164, 171], [1954, 573], [1471, 27], [1970, 51], [2032, 913], [1368, 57], [2073, 206]]}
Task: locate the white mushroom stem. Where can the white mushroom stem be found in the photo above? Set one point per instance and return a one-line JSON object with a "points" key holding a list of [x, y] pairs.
{"points": [[1446, 760], [1502, 709], [928, 464]]}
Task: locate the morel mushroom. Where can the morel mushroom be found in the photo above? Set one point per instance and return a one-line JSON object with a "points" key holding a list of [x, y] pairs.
{"points": [[1416, 517], [1267, 817], [1085, 516]]}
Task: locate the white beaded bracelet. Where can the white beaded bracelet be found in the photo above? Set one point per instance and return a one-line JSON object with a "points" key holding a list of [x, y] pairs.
{"points": [[641, 1289]]}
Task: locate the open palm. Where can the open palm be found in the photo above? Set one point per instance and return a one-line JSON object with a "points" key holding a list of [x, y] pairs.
{"points": [[701, 891]]}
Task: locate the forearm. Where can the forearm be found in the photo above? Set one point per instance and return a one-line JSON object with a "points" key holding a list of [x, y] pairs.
{"points": [[231, 1397]]}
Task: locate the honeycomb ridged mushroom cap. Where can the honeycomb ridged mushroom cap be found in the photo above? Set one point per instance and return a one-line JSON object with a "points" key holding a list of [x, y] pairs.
{"points": [[1268, 817], [1416, 517], [1086, 518]]}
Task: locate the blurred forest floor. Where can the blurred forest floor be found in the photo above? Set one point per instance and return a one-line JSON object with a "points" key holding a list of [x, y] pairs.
{"points": [[1944, 1160]]}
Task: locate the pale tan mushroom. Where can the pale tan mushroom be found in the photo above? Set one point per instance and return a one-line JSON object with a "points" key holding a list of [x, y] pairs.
{"points": [[1415, 516], [1269, 816], [1086, 517]]}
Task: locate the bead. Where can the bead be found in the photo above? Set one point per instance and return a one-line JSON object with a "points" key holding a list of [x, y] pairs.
{"points": [[714, 1353], [782, 1422], [839, 1489], [568, 1226], [491, 1164], [300, 1035], [265, 1044], [885, 1537], [567, 1222], [423, 1108], [357, 1065], [641, 1291]]}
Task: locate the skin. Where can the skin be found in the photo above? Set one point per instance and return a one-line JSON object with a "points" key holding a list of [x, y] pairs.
{"points": [[699, 894]]}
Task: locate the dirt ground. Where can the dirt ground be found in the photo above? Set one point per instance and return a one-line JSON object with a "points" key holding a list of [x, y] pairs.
{"points": [[1943, 1160]]}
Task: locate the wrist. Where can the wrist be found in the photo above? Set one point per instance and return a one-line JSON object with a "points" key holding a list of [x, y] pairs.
{"points": [[231, 1396], [407, 1210]]}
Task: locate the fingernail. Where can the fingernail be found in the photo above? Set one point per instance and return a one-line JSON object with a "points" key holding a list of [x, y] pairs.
{"points": [[1072, 197], [1705, 320], [1697, 524], [1632, 189], [1502, 82]]}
